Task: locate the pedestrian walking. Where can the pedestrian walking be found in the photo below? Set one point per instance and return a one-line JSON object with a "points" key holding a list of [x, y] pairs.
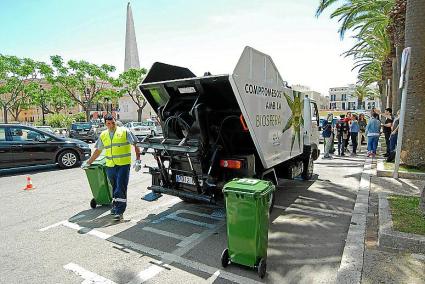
{"points": [[373, 129], [386, 128], [116, 141], [347, 140], [362, 136], [327, 135], [342, 134], [354, 133]]}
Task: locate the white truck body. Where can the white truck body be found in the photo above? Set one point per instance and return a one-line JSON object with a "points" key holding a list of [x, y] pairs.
{"points": [[264, 99]]}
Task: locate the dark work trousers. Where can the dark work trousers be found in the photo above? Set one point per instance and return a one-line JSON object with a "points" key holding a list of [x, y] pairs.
{"points": [[118, 177], [341, 144], [393, 142], [387, 141], [354, 137]]}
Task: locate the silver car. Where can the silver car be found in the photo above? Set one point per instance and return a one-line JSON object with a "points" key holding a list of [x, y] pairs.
{"points": [[147, 127]]}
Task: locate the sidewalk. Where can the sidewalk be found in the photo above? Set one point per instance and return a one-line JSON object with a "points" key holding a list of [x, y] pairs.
{"points": [[364, 260]]}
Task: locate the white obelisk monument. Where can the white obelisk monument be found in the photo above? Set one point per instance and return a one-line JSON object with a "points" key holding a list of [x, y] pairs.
{"points": [[128, 109]]}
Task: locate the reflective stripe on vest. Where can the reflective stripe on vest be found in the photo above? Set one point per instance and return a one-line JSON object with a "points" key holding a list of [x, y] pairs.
{"points": [[117, 150]]}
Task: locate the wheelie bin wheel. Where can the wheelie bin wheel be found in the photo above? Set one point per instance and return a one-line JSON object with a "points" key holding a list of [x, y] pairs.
{"points": [[225, 258], [93, 203], [262, 267]]}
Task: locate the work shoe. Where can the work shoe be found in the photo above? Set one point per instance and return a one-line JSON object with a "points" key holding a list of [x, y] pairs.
{"points": [[118, 217]]}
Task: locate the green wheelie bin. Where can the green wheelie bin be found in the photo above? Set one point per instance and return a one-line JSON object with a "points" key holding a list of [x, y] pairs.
{"points": [[247, 209], [99, 183]]}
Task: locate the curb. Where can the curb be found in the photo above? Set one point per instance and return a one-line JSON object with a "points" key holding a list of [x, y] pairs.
{"points": [[350, 269], [389, 238], [382, 172]]}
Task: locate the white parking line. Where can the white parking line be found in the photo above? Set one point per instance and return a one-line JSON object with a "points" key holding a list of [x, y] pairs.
{"points": [[146, 274], [213, 277], [88, 276], [170, 257], [51, 226]]}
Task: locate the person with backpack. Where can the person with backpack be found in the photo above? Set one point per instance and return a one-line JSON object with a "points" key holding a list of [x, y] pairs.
{"points": [[341, 134]]}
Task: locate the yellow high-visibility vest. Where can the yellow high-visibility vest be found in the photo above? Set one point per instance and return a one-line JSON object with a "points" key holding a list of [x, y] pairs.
{"points": [[117, 149]]}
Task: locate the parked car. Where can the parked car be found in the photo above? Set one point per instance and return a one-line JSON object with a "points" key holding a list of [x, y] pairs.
{"points": [[84, 131], [147, 127], [22, 146]]}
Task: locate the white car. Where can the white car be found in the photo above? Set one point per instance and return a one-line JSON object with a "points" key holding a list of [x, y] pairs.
{"points": [[147, 127]]}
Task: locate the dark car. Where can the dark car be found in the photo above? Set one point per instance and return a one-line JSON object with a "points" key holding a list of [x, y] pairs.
{"points": [[84, 131], [22, 145]]}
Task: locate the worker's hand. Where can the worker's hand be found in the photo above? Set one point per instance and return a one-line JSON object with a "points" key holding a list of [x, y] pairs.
{"points": [[85, 165], [137, 165]]}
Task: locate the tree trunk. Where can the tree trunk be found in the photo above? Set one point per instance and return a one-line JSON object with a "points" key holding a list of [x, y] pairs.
{"points": [[139, 114], [422, 202], [5, 114], [382, 91], [87, 110], [413, 152], [397, 102], [394, 86]]}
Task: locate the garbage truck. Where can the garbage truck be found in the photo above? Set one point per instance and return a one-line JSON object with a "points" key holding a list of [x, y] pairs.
{"points": [[248, 124]]}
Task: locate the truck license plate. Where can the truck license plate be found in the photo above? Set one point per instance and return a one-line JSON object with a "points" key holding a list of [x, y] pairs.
{"points": [[185, 179], [188, 180]]}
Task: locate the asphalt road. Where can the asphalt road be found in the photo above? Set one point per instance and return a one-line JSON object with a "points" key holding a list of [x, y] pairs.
{"points": [[51, 235]]}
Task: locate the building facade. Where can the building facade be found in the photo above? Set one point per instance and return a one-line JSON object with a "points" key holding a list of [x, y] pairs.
{"points": [[321, 100], [344, 98]]}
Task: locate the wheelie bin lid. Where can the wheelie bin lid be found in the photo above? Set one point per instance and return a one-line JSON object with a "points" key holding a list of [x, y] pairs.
{"points": [[100, 161], [250, 186]]}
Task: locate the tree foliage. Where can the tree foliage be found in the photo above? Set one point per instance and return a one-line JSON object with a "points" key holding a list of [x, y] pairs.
{"points": [[18, 79], [129, 82], [84, 82]]}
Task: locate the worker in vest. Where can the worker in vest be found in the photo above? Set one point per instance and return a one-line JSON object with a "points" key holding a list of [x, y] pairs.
{"points": [[116, 141]]}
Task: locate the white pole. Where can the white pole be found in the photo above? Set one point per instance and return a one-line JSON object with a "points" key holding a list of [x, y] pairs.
{"points": [[404, 80]]}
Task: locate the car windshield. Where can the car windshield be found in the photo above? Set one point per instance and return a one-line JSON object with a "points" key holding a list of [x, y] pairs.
{"points": [[137, 124], [146, 123]]}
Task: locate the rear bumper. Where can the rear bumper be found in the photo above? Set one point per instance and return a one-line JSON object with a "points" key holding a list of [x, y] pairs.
{"points": [[183, 194]]}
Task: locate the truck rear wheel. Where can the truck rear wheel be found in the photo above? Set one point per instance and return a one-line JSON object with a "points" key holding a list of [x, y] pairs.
{"points": [[307, 173]]}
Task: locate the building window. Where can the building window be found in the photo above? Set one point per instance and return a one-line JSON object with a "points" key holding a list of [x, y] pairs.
{"points": [[343, 97]]}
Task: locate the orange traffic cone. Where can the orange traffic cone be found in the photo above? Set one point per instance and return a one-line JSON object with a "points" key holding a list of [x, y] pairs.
{"points": [[29, 184]]}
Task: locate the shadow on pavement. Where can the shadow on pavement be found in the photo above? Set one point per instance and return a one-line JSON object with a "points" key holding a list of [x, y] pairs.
{"points": [[29, 170]]}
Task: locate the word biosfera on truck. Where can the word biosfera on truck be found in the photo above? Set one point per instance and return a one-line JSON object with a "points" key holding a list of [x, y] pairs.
{"points": [[248, 124]]}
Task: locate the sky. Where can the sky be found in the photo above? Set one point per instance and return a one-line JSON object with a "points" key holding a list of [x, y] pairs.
{"points": [[200, 35]]}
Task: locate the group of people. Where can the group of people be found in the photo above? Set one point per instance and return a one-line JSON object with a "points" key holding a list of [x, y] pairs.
{"points": [[356, 128]]}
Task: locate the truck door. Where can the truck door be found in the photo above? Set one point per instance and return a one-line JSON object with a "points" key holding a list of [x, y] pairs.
{"points": [[311, 122], [315, 123]]}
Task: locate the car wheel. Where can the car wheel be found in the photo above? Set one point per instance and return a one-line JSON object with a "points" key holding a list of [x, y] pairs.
{"points": [[67, 159], [153, 134]]}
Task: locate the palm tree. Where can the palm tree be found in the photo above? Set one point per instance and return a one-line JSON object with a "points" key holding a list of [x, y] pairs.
{"points": [[373, 51], [413, 153]]}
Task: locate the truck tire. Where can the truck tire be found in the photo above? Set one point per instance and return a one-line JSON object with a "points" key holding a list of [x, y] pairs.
{"points": [[308, 164]]}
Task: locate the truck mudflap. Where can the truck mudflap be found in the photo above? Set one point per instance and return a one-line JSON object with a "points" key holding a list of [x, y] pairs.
{"points": [[182, 194]]}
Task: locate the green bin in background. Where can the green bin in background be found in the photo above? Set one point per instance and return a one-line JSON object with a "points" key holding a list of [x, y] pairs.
{"points": [[99, 183], [247, 209]]}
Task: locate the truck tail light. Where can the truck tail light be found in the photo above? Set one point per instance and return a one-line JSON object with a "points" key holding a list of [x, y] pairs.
{"points": [[231, 164]]}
